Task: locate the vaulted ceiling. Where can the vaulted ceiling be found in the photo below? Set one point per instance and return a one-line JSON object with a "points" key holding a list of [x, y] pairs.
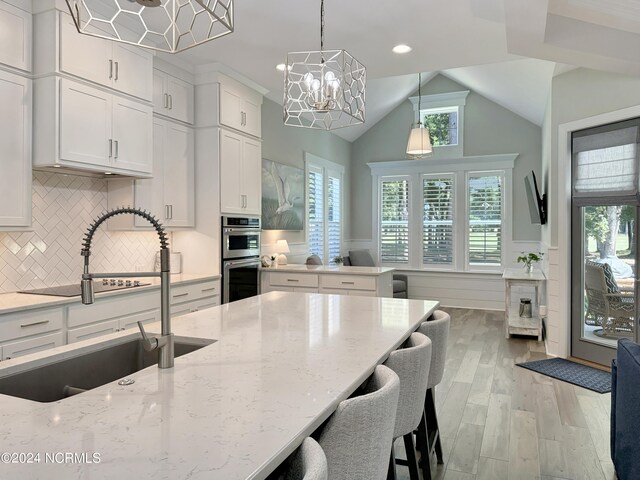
{"points": [[506, 50]]}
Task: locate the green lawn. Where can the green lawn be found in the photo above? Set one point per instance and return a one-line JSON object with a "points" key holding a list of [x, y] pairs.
{"points": [[622, 245]]}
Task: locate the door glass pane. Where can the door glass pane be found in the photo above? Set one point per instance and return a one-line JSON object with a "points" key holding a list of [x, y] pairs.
{"points": [[608, 273]]}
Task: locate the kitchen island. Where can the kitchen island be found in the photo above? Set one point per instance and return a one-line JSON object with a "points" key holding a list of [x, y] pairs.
{"points": [[233, 410]]}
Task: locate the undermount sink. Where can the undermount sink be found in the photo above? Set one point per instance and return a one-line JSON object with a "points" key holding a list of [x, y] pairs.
{"points": [[64, 378]]}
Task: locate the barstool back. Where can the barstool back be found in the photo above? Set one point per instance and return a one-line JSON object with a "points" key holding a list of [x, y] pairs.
{"points": [[308, 462], [437, 329]]}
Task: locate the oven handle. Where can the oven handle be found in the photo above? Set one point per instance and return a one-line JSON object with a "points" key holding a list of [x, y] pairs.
{"points": [[235, 263], [244, 231]]}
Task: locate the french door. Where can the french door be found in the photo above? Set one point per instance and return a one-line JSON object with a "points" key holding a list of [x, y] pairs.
{"points": [[605, 241]]}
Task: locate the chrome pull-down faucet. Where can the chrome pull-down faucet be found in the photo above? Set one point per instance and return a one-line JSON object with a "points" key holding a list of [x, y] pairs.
{"points": [[163, 343]]}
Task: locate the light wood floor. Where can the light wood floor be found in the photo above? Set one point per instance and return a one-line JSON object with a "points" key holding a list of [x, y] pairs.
{"points": [[499, 421]]}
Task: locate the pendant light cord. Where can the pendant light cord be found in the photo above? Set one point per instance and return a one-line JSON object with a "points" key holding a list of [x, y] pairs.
{"points": [[321, 25], [419, 98]]}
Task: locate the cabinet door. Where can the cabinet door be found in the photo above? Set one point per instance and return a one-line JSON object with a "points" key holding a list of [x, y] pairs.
{"points": [[92, 331], [231, 196], [132, 70], [85, 124], [231, 105], [15, 145], [83, 55], [149, 192], [131, 321], [132, 136], [180, 99], [178, 176], [32, 345], [159, 92], [252, 120], [15, 35], [252, 176]]}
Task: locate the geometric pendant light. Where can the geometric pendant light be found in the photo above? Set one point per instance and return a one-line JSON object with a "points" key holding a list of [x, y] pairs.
{"points": [[419, 143], [166, 25], [323, 89]]}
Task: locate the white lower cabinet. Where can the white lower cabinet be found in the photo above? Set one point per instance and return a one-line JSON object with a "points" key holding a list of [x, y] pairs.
{"points": [[193, 297], [328, 282], [32, 345], [110, 326]]}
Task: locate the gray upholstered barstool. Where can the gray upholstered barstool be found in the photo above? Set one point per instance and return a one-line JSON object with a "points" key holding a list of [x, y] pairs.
{"points": [[437, 329], [357, 437], [411, 363], [308, 462]]}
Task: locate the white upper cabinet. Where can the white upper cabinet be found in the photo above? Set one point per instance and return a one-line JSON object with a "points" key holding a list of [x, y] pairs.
{"points": [[15, 37], [172, 97], [240, 107], [125, 68], [88, 128], [240, 174], [169, 195], [15, 148]]}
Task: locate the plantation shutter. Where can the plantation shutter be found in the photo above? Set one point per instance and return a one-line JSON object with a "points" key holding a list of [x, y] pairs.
{"points": [[485, 204], [394, 220], [315, 201], [605, 160], [437, 220], [334, 220]]}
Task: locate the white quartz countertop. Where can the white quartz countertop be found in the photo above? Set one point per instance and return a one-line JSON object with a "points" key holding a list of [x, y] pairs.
{"points": [[294, 268], [14, 302], [233, 410]]}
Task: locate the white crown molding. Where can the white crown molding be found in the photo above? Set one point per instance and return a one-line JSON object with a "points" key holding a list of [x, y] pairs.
{"points": [[406, 167]]}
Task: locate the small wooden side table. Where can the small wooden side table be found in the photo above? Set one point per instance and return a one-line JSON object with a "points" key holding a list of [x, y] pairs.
{"points": [[514, 323]]}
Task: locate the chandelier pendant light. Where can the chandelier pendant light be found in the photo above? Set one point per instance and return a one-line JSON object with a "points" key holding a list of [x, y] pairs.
{"points": [[165, 25], [419, 144], [323, 89]]}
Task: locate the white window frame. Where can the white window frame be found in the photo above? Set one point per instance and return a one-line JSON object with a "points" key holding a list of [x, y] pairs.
{"points": [[415, 171], [444, 101], [328, 168], [454, 263]]}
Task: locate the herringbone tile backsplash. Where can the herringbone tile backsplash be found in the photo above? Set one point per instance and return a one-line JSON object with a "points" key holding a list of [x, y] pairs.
{"points": [[49, 254]]}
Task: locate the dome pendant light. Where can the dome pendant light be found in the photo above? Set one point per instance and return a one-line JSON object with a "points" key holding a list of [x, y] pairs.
{"points": [[165, 25], [419, 144], [323, 89]]}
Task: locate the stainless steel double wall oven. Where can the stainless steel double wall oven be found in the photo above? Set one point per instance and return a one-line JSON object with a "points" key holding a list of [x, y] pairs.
{"points": [[240, 257]]}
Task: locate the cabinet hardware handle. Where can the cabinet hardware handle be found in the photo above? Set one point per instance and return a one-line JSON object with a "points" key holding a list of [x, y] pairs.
{"points": [[43, 322], [166, 212], [116, 145], [171, 212], [181, 295], [110, 69], [208, 289], [292, 280], [110, 147], [166, 100], [170, 102], [116, 71], [348, 283]]}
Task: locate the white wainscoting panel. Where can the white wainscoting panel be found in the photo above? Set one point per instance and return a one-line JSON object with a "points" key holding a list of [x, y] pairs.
{"points": [[49, 253]]}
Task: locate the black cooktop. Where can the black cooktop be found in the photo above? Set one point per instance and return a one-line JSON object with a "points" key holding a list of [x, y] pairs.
{"points": [[73, 290]]}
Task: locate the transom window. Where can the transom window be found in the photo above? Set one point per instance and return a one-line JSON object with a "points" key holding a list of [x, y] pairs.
{"points": [[442, 124]]}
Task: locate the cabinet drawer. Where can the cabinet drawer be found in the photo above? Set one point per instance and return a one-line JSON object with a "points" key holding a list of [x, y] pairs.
{"points": [[113, 307], [194, 291], [349, 282], [293, 279], [32, 345], [24, 324], [131, 321], [92, 331], [189, 307]]}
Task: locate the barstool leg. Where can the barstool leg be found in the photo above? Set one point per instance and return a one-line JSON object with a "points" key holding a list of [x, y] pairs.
{"points": [[391, 473], [412, 461], [433, 432], [422, 443]]}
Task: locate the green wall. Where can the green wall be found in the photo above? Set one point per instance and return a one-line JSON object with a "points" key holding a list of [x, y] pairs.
{"points": [[489, 129]]}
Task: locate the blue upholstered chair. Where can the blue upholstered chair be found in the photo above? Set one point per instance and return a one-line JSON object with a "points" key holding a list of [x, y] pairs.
{"points": [[625, 414], [363, 258]]}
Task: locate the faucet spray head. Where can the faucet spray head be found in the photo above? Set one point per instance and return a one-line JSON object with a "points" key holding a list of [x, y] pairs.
{"points": [[86, 288]]}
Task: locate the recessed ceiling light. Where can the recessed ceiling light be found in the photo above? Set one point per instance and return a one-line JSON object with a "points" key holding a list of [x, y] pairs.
{"points": [[107, 173], [402, 48], [281, 67], [56, 166]]}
